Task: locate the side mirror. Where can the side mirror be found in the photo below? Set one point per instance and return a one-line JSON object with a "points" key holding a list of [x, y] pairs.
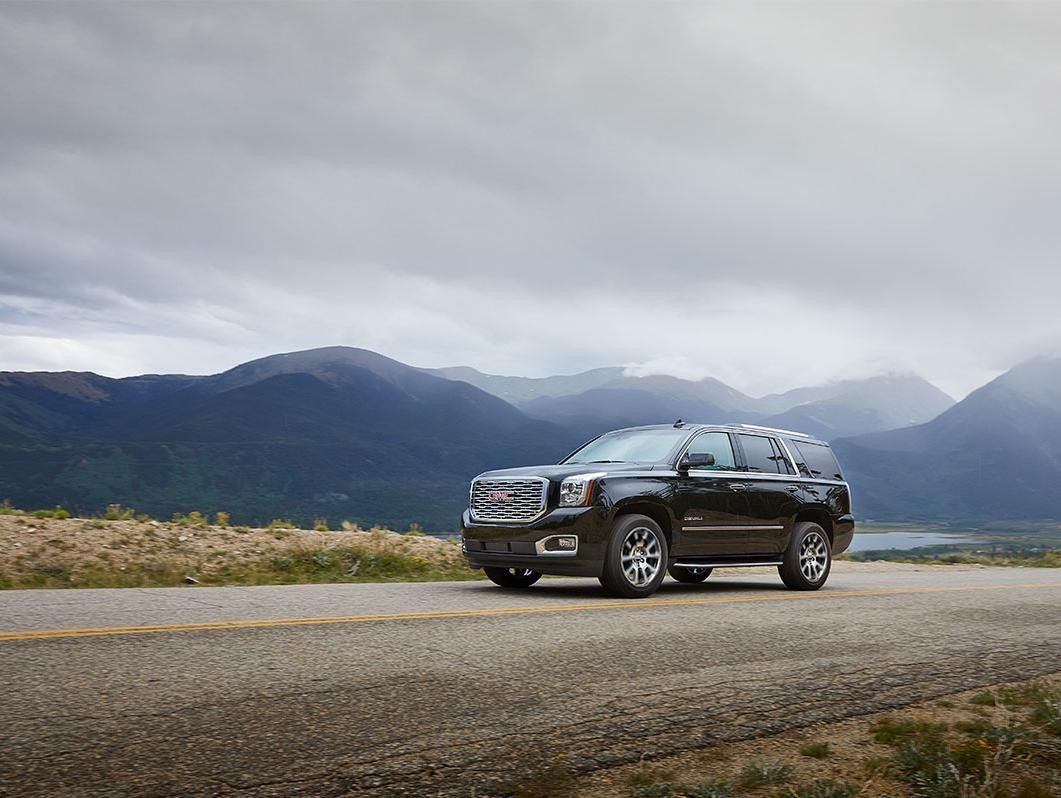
{"points": [[696, 460]]}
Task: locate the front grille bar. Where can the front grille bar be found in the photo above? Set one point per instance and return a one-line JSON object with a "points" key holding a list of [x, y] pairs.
{"points": [[515, 500]]}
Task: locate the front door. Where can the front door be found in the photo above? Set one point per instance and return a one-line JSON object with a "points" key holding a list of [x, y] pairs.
{"points": [[712, 511]]}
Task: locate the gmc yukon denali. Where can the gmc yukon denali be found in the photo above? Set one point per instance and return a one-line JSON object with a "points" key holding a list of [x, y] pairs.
{"points": [[633, 505]]}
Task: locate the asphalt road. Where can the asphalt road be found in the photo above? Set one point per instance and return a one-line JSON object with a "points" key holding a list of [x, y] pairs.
{"points": [[447, 688]]}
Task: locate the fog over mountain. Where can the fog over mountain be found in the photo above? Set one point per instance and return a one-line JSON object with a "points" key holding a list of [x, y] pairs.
{"points": [[770, 195]]}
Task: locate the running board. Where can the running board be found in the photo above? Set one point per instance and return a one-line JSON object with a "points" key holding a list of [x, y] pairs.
{"points": [[722, 564]]}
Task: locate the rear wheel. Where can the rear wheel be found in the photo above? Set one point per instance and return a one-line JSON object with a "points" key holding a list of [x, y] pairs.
{"points": [[808, 558], [512, 577], [689, 576], [636, 560]]}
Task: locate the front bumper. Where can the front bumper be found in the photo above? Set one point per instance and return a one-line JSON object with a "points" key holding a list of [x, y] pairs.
{"points": [[513, 546]]}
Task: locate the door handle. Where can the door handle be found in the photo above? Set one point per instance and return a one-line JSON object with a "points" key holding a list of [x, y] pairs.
{"points": [[737, 486], [792, 488]]}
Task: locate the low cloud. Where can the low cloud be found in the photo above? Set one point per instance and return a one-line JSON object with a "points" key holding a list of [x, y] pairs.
{"points": [[770, 195]]}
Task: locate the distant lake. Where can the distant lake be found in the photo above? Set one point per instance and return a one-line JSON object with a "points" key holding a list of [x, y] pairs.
{"points": [[878, 541]]}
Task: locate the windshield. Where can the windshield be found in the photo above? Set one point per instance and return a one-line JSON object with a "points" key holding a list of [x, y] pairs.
{"points": [[630, 446]]}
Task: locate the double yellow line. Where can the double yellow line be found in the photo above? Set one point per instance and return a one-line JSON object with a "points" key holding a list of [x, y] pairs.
{"points": [[209, 626]]}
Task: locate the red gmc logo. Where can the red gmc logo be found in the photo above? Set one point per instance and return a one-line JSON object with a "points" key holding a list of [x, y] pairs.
{"points": [[502, 495]]}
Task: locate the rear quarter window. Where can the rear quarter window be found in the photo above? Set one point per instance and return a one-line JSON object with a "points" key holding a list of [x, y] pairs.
{"points": [[819, 459]]}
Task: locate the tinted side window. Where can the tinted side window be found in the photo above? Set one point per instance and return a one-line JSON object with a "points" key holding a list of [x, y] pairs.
{"points": [[763, 455], [718, 444], [801, 464], [820, 460]]}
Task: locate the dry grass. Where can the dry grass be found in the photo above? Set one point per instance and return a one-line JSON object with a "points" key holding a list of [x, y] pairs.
{"points": [[962, 746], [125, 552]]}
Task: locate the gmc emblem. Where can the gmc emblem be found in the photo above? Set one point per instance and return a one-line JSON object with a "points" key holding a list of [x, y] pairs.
{"points": [[502, 496]]}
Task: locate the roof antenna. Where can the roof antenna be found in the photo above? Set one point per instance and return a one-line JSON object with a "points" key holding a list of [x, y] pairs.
{"points": [[678, 424]]}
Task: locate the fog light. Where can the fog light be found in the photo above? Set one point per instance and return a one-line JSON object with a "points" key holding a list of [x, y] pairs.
{"points": [[557, 545]]}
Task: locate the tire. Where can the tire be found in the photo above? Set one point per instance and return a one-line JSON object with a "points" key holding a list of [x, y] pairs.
{"points": [[636, 560], [689, 576], [808, 558], [512, 577]]}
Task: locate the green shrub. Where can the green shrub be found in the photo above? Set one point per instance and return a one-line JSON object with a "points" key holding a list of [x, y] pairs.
{"points": [[890, 731], [710, 789], [985, 699], [115, 512], [221, 518], [7, 509], [60, 572], [194, 518], [321, 525], [661, 789], [58, 512], [282, 523], [815, 750], [415, 531], [756, 775], [824, 788]]}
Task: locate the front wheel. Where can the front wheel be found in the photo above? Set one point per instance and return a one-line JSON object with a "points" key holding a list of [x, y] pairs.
{"points": [[512, 577], [689, 576], [636, 560], [808, 558]]}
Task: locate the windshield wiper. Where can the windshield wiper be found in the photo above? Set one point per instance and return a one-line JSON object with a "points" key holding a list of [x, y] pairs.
{"points": [[604, 461]]}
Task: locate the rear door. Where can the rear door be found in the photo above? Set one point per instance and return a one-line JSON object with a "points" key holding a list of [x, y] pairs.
{"points": [[712, 512], [772, 491]]}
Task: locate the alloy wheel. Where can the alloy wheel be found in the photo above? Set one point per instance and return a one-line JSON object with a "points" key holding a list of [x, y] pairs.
{"points": [[813, 556], [640, 556]]}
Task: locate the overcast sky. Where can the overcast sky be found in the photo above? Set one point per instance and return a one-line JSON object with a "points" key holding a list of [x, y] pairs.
{"points": [[770, 194]]}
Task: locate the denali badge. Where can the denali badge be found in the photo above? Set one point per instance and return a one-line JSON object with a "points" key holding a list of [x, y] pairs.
{"points": [[502, 496]]}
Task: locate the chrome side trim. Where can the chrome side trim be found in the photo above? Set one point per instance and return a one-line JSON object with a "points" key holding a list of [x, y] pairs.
{"points": [[759, 475], [791, 459], [723, 564], [748, 528]]}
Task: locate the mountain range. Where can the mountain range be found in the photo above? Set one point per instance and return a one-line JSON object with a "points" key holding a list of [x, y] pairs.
{"points": [[345, 433]]}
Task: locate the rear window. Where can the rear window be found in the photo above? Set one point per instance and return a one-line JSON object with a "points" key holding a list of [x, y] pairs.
{"points": [[820, 460]]}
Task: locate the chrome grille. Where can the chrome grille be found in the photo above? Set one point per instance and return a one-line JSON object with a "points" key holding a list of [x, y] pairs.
{"points": [[519, 499]]}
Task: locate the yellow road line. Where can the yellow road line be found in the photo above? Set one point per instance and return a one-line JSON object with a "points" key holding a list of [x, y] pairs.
{"points": [[109, 631]]}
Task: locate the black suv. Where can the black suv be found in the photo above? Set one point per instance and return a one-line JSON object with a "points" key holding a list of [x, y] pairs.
{"points": [[634, 504]]}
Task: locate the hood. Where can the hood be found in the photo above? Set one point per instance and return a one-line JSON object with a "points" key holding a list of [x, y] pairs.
{"points": [[556, 473]]}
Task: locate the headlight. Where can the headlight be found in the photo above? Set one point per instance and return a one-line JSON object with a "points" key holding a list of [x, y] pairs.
{"points": [[576, 491]]}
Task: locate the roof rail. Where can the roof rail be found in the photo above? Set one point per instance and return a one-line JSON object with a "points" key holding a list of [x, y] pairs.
{"points": [[774, 429]]}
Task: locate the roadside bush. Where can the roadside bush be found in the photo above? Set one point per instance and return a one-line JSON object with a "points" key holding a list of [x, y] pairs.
{"points": [[824, 788], [7, 509], [321, 525], [194, 518], [115, 512], [815, 750], [756, 775], [221, 518], [58, 512]]}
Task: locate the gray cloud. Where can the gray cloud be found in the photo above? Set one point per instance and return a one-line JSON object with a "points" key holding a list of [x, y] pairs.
{"points": [[769, 193]]}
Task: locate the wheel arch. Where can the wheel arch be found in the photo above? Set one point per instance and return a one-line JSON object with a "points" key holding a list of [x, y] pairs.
{"points": [[654, 510], [818, 515]]}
